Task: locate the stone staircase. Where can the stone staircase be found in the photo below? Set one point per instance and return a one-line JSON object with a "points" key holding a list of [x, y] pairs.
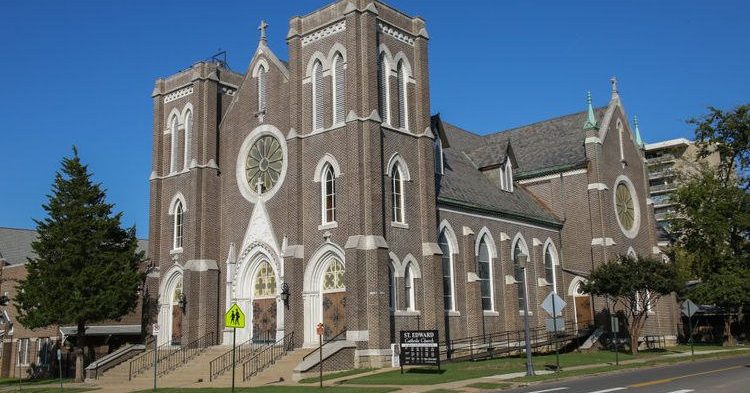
{"points": [[280, 372], [187, 375]]}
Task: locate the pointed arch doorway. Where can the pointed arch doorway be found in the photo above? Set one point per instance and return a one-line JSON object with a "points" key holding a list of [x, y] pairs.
{"points": [[324, 295], [264, 304], [171, 313]]}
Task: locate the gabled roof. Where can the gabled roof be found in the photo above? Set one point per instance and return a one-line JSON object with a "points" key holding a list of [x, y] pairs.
{"points": [[15, 245], [462, 184], [548, 145]]}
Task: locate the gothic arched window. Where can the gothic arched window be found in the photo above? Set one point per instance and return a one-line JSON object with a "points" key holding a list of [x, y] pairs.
{"points": [[339, 88], [408, 289], [178, 224], [328, 195], [317, 96], [397, 195], [173, 151], [188, 136], [403, 107], [447, 262], [484, 271], [384, 89], [262, 88], [333, 279], [549, 267]]}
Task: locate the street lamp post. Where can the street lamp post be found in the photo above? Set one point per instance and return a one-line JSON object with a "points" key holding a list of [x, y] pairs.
{"points": [[522, 259]]}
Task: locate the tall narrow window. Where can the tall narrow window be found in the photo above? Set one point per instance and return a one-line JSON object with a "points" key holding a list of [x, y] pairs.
{"points": [[520, 276], [403, 107], [188, 136], [339, 87], [384, 90], [391, 289], [447, 262], [23, 351], [438, 146], [178, 221], [261, 89], [397, 195], [173, 149], [549, 268], [484, 269], [317, 96], [408, 289], [329, 195]]}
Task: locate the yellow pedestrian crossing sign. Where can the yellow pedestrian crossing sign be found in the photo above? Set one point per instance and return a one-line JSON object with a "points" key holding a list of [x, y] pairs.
{"points": [[234, 317]]}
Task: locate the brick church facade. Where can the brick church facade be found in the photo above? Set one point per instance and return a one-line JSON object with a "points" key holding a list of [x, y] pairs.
{"points": [[323, 189]]}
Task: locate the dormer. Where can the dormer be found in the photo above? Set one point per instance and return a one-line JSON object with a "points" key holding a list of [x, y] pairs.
{"points": [[496, 161]]}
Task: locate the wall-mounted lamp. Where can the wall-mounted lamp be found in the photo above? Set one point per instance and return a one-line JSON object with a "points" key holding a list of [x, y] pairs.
{"points": [[285, 294]]}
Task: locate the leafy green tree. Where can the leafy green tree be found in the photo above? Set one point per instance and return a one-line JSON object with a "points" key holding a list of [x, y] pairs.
{"points": [[634, 285], [86, 268], [711, 221]]}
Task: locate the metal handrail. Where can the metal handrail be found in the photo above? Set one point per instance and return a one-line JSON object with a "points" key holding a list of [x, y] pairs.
{"points": [[267, 356], [145, 360], [185, 353], [223, 362], [508, 341], [334, 338]]}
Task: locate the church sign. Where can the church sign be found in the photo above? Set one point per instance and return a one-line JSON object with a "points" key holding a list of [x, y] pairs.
{"points": [[419, 347]]}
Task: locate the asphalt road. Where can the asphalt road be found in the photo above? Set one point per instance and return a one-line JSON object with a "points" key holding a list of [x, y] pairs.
{"points": [[728, 375]]}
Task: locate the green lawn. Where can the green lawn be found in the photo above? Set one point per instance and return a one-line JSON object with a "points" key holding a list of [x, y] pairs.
{"points": [[14, 381], [336, 375], [488, 385], [468, 370], [278, 389]]}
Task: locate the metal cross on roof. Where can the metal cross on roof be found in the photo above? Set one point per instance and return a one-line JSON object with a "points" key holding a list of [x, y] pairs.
{"points": [[263, 26]]}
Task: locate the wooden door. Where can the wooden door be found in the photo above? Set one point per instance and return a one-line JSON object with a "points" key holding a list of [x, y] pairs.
{"points": [[334, 315], [584, 315], [264, 320], [176, 325]]}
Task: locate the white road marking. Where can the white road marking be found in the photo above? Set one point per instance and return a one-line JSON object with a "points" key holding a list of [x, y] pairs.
{"points": [[608, 390], [683, 391], [548, 390]]}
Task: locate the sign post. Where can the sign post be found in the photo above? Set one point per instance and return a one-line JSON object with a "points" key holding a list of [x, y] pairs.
{"points": [[419, 347], [615, 325], [553, 305], [319, 330], [689, 309], [234, 318], [155, 332], [59, 366]]}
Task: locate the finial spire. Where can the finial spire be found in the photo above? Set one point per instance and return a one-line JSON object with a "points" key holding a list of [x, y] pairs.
{"points": [[263, 26], [638, 139], [591, 118], [613, 81]]}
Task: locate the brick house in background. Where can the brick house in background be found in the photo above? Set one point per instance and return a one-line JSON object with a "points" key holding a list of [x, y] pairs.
{"points": [[23, 347], [326, 177]]}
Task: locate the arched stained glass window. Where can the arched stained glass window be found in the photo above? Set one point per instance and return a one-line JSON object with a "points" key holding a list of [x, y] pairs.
{"points": [[384, 89], [188, 136], [178, 223], [328, 194], [317, 92], [264, 284], [397, 194], [549, 268], [333, 279], [339, 88], [403, 107]]}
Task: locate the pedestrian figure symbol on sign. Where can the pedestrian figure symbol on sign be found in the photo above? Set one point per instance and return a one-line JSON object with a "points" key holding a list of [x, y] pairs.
{"points": [[234, 318]]}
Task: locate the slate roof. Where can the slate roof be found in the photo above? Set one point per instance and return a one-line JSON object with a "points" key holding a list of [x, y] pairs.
{"points": [[489, 155], [547, 145], [15, 244], [462, 183]]}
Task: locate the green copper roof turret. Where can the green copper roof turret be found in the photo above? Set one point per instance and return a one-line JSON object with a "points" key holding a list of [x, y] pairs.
{"points": [[638, 139], [591, 123]]}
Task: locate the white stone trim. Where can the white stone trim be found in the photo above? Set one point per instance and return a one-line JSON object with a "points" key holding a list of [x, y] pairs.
{"points": [[593, 139], [490, 242], [554, 176], [327, 158], [429, 249], [397, 159], [450, 235], [357, 335], [396, 33], [598, 186], [602, 241], [633, 232], [175, 95], [401, 225], [173, 203], [366, 242], [172, 276], [201, 265], [323, 33]]}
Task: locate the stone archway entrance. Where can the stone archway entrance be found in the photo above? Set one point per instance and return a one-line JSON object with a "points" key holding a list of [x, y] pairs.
{"points": [[324, 294], [177, 314], [171, 315], [584, 314]]}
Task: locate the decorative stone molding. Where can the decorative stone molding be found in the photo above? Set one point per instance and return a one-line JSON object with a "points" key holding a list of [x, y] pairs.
{"points": [[510, 280], [431, 249], [357, 335], [396, 33], [602, 241], [323, 33], [467, 231], [201, 265], [472, 277], [368, 242], [185, 91], [598, 186]]}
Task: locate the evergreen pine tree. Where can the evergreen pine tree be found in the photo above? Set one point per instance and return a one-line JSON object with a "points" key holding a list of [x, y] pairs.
{"points": [[86, 267]]}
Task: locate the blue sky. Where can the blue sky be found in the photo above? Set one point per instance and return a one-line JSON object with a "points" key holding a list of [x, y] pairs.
{"points": [[81, 72]]}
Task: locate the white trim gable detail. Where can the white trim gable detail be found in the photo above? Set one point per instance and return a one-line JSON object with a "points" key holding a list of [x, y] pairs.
{"points": [[259, 229], [326, 159]]}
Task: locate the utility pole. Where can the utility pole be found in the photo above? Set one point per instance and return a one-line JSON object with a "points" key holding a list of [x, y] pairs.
{"points": [[529, 365]]}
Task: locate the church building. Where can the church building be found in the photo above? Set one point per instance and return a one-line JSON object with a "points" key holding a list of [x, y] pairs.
{"points": [[323, 189]]}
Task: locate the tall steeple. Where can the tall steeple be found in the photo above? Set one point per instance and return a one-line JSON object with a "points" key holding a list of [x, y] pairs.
{"points": [[638, 139], [591, 123]]}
